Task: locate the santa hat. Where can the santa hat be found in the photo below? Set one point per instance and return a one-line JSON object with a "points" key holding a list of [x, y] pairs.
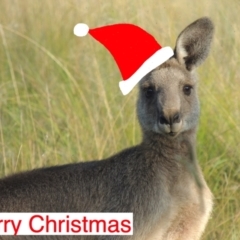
{"points": [[135, 51]]}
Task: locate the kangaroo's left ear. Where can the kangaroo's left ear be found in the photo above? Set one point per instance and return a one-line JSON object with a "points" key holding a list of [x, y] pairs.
{"points": [[193, 43]]}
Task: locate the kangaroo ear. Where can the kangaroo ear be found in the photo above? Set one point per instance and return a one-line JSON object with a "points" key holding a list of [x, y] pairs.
{"points": [[194, 42]]}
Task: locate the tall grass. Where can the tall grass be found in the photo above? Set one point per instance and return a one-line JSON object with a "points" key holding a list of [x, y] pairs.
{"points": [[59, 96]]}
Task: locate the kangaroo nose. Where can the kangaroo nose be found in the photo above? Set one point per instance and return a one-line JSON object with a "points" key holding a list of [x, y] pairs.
{"points": [[170, 119]]}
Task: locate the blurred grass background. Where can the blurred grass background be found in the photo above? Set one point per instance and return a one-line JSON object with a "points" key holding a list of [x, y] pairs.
{"points": [[60, 101]]}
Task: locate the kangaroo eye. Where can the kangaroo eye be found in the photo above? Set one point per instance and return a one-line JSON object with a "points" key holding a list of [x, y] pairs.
{"points": [[149, 92], [187, 89]]}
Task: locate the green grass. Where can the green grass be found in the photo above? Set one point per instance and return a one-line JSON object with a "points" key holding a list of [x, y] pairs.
{"points": [[60, 101]]}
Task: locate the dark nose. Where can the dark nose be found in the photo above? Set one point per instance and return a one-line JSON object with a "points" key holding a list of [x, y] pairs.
{"points": [[170, 118]]}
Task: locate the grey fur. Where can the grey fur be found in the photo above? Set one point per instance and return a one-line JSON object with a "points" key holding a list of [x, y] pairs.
{"points": [[188, 40], [158, 180]]}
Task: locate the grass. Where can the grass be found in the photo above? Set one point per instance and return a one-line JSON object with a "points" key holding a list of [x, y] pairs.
{"points": [[59, 96]]}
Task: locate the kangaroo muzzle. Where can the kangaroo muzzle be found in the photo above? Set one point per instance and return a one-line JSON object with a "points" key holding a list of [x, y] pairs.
{"points": [[170, 121]]}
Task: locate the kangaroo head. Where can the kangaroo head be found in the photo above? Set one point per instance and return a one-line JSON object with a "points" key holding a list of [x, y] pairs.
{"points": [[168, 102]]}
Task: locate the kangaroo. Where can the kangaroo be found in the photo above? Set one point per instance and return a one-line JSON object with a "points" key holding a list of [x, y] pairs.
{"points": [[158, 180]]}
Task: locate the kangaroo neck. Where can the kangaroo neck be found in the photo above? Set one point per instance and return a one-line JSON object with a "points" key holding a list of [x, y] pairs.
{"points": [[167, 145]]}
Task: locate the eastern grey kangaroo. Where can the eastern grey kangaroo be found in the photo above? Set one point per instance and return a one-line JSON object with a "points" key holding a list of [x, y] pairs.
{"points": [[158, 180]]}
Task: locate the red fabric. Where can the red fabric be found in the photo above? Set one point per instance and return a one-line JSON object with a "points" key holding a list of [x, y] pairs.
{"points": [[129, 45]]}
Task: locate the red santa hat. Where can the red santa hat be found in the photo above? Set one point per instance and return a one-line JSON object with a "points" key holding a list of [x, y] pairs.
{"points": [[135, 51]]}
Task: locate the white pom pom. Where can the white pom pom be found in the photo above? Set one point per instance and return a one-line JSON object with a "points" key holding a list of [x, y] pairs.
{"points": [[81, 29]]}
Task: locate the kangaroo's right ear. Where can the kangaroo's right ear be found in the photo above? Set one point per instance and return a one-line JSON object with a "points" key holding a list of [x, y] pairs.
{"points": [[194, 42]]}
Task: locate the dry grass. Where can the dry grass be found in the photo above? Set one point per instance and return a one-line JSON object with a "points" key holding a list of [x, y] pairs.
{"points": [[59, 96]]}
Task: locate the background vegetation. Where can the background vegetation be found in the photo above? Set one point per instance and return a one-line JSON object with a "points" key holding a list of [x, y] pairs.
{"points": [[60, 101]]}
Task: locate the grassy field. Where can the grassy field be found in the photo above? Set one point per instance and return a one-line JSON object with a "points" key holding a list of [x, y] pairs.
{"points": [[60, 101]]}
